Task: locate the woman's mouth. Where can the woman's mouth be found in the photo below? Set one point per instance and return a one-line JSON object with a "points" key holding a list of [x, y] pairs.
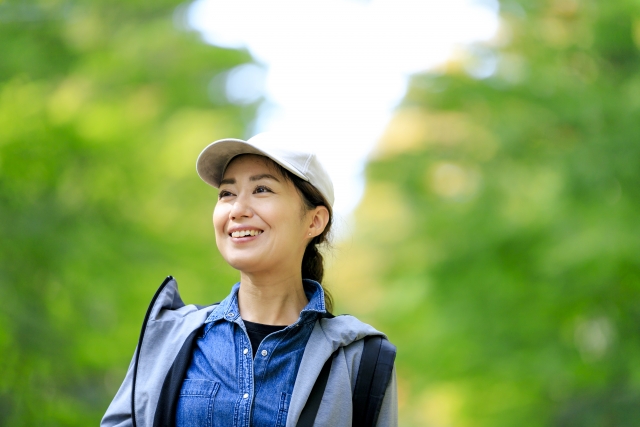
{"points": [[245, 233]]}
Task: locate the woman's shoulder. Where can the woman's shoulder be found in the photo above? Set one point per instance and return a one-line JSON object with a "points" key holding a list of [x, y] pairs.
{"points": [[345, 329], [167, 304], [355, 341]]}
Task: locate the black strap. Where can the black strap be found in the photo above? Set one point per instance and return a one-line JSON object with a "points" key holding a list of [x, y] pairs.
{"points": [[376, 367], [310, 410], [374, 373]]}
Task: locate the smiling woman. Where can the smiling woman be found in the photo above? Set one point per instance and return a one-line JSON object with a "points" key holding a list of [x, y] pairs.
{"points": [[258, 232], [271, 353]]}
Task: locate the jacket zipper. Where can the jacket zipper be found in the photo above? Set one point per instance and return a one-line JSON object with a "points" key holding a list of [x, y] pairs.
{"points": [[142, 331]]}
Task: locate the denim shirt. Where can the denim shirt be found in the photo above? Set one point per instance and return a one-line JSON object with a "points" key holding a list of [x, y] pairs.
{"points": [[225, 386]]}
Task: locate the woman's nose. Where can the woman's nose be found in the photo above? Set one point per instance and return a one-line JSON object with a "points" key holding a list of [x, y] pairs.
{"points": [[240, 208]]}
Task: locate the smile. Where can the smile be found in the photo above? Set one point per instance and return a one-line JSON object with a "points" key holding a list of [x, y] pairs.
{"points": [[245, 233]]}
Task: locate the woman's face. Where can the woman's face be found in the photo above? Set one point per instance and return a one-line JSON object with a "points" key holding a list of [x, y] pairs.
{"points": [[259, 220]]}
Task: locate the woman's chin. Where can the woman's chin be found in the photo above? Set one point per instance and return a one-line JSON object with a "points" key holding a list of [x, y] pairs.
{"points": [[243, 264]]}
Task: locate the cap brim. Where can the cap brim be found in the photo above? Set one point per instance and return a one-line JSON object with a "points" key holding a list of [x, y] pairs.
{"points": [[215, 158]]}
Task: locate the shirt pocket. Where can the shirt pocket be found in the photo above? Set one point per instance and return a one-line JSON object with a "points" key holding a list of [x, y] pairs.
{"points": [[283, 410], [195, 405]]}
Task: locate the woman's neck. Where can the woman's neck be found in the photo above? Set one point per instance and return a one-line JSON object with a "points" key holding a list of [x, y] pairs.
{"points": [[271, 301]]}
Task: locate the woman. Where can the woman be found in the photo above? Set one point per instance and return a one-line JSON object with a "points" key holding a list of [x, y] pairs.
{"points": [[254, 358]]}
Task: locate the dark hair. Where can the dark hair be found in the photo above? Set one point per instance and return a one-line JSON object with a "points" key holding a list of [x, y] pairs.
{"points": [[312, 260]]}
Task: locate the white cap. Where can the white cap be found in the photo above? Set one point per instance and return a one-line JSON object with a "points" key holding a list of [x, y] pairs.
{"points": [[215, 158]]}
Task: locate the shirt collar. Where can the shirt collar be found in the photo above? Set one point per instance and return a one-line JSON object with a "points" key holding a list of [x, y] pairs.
{"points": [[228, 308]]}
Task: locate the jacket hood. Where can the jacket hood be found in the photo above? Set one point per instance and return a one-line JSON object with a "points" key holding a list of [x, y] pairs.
{"points": [[330, 333]]}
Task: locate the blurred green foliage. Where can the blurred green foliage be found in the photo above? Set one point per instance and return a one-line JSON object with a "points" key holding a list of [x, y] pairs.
{"points": [[498, 239], [496, 244], [104, 108]]}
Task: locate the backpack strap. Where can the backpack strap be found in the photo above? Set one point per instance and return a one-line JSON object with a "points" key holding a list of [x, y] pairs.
{"points": [[376, 367], [310, 410]]}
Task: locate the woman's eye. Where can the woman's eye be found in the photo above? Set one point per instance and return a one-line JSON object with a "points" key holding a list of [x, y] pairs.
{"points": [[262, 189], [223, 193]]}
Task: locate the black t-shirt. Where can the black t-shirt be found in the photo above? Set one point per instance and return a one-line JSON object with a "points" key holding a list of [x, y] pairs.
{"points": [[257, 332]]}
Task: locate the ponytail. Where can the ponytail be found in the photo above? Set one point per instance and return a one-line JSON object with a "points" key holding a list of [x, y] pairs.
{"points": [[312, 262], [313, 266]]}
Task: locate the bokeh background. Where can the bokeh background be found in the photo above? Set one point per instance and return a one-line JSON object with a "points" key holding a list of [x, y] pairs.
{"points": [[497, 241]]}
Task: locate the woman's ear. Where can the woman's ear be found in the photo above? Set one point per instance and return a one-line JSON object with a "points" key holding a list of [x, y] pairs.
{"points": [[319, 221]]}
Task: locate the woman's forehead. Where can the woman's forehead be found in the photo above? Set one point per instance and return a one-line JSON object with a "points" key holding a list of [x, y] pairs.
{"points": [[251, 163]]}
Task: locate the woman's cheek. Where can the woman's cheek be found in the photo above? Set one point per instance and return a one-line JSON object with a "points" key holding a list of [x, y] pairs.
{"points": [[218, 220]]}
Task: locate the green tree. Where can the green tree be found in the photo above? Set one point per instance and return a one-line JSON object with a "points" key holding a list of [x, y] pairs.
{"points": [[103, 109], [497, 241]]}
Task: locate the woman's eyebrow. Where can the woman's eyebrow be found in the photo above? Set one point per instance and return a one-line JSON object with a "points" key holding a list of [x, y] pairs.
{"points": [[227, 181], [252, 178], [263, 176]]}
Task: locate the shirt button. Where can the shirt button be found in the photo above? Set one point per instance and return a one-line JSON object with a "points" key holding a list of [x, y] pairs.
{"points": [[245, 351], [245, 396], [263, 352], [230, 314]]}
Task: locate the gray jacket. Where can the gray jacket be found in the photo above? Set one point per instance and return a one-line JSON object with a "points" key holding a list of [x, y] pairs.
{"points": [[169, 323]]}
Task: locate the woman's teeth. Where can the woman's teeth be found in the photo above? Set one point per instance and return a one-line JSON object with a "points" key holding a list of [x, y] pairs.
{"points": [[245, 233]]}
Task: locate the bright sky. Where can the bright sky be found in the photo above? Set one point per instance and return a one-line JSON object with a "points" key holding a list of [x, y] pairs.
{"points": [[333, 70]]}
